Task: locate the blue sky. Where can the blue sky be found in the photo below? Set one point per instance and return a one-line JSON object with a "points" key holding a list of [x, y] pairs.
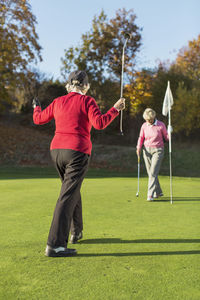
{"points": [[167, 27]]}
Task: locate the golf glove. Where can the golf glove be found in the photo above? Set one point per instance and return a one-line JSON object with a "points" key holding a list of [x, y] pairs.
{"points": [[169, 129], [120, 104], [36, 102]]}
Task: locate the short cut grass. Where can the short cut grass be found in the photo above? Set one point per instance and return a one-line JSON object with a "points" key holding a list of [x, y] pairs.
{"points": [[131, 249]]}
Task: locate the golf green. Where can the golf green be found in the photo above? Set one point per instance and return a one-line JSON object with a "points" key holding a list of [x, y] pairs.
{"points": [[131, 248]]}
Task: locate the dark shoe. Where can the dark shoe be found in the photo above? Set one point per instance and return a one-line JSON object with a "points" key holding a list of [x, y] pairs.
{"points": [[59, 252], [75, 238], [158, 195]]}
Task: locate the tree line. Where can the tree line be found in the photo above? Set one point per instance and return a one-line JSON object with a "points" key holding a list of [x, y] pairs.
{"points": [[99, 54]]}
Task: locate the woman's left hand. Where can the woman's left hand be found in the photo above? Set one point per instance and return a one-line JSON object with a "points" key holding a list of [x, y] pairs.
{"points": [[169, 129], [120, 104]]}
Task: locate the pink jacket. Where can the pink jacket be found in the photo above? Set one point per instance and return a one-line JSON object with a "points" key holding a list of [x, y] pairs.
{"points": [[152, 135]]}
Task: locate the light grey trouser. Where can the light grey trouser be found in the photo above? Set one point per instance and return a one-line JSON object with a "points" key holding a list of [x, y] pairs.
{"points": [[153, 158]]}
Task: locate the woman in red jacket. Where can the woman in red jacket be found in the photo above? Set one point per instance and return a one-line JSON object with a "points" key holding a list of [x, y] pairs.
{"points": [[74, 114]]}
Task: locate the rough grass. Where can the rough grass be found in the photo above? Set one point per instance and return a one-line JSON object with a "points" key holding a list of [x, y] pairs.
{"points": [[131, 249], [24, 145], [185, 159]]}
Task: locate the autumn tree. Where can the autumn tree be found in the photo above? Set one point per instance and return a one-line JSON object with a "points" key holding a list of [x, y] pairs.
{"points": [[139, 91], [37, 84], [18, 44], [149, 86], [100, 51], [186, 117], [187, 99], [188, 60]]}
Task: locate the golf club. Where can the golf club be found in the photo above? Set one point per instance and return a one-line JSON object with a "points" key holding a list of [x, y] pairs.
{"points": [[137, 194], [127, 37]]}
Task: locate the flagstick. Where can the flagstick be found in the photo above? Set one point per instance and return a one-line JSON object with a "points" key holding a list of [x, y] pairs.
{"points": [[170, 158], [170, 146]]}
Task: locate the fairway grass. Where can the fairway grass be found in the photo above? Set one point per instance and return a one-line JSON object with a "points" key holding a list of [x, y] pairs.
{"points": [[132, 249]]}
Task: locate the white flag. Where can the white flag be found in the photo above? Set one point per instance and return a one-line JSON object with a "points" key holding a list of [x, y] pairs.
{"points": [[168, 101]]}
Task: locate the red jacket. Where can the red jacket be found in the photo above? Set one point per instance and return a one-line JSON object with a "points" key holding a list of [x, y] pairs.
{"points": [[74, 115]]}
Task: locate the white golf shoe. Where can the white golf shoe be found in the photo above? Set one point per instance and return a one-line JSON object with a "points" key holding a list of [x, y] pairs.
{"points": [[150, 199]]}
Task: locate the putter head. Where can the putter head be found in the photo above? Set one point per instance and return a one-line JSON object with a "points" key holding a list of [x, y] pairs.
{"points": [[137, 194], [127, 35]]}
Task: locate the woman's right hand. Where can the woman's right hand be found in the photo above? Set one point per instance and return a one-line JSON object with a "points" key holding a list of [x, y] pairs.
{"points": [[120, 104], [36, 102]]}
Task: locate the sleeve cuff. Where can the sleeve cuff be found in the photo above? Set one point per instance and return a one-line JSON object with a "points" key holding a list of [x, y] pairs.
{"points": [[37, 108], [114, 111]]}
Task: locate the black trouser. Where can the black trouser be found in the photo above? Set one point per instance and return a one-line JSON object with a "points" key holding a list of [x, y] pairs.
{"points": [[71, 166]]}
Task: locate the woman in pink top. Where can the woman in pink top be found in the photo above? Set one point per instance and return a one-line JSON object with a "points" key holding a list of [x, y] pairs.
{"points": [[75, 114], [152, 136]]}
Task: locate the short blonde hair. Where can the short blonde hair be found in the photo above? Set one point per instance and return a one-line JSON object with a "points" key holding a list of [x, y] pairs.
{"points": [[149, 114]]}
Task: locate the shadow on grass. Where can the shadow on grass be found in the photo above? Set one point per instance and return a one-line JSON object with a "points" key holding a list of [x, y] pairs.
{"points": [[121, 241], [188, 252], [178, 199], [142, 241]]}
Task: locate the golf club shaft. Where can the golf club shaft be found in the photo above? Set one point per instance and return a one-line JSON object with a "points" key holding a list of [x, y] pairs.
{"points": [[138, 174], [122, 80]]}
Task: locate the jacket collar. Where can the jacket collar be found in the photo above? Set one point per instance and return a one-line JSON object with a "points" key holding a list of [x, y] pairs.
{"points": [[154, 123]]}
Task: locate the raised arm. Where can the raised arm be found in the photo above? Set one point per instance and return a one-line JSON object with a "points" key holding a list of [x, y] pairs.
{"points": [[100, 121], [43, 116]]}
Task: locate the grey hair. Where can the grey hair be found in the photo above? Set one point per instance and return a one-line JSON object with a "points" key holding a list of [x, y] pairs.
{"points": [[76, 87], [149, 114]]}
